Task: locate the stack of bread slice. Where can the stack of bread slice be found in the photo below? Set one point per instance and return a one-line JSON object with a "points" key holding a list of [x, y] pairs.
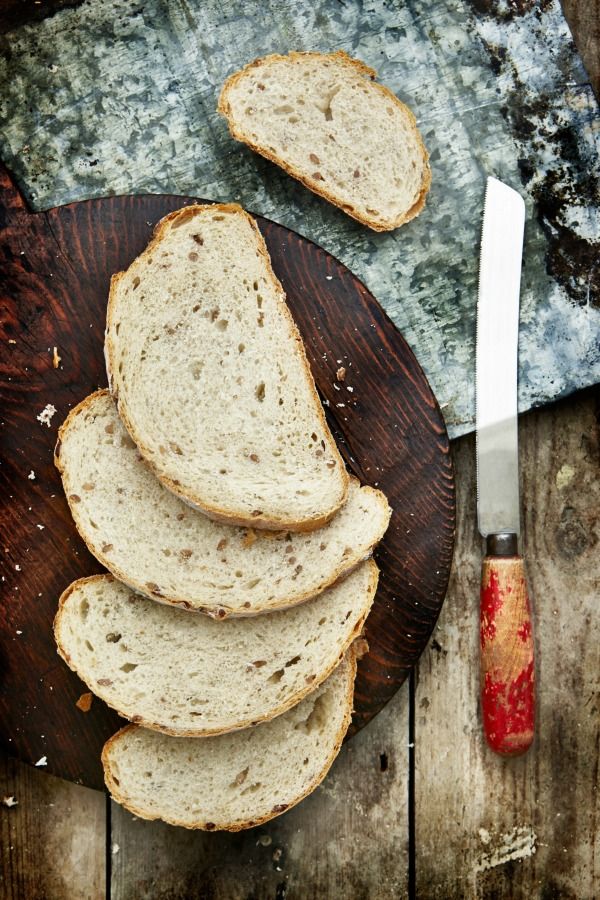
{"points": [[209, 485]]}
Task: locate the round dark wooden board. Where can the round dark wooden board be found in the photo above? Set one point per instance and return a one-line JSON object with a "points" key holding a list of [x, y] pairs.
{"points": [[54, 277]]}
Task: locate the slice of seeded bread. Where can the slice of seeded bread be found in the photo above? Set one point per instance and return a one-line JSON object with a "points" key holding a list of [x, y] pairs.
{"points": [[192, 676], [212, 380], [158, 545], [232, 781], [321, 117]]}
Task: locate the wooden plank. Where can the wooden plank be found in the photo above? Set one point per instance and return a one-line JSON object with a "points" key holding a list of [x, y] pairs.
{"points": [[347, 840], [53, 840], [583, 17], [524, 827]]}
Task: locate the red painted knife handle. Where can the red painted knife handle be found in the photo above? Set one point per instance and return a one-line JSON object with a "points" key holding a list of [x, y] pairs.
{"points": [[507, 662]]}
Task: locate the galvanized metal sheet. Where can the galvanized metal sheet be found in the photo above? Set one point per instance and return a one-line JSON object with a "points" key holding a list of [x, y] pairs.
{"points": [[121, 98]]}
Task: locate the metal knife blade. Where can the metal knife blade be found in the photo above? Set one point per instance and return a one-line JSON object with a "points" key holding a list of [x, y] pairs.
{"points": [[496, 360]]}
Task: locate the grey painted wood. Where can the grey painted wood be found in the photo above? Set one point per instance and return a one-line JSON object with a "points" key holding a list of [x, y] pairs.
{"points": [[52, 842], [121, 98], [527, 827], [473, 811]]}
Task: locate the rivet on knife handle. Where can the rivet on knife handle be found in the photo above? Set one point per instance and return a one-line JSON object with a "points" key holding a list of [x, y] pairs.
{"points": [[507, 659]]}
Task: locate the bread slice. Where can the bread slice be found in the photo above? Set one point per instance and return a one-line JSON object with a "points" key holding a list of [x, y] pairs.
{"points": [[232, 781], [189, 675], [161, 547], [321, 118], [212, 380]]}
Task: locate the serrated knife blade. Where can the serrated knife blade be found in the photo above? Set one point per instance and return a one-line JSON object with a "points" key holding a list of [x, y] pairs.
{"points": [[506, 641], [496, 366]]}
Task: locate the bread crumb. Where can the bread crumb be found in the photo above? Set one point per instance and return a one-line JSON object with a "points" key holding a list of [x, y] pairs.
{"points": [[85, 702], [115, 849], [9, 801], [45, 417], [41, 527], [341, 373], [17, 567], [55, 358], [249, 538], [361, 647], [271, 535], [42, 761], [31, 475]]}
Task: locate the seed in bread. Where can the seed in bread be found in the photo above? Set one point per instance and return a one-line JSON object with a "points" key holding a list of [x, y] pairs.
{"points": [[192, 676], [161, 547]]}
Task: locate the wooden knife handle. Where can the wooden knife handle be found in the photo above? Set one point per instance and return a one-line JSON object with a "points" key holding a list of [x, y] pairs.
{"points": [[507, 661]]}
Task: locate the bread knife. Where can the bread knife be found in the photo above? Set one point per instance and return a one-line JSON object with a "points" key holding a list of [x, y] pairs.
{"points": [[506, 640]]}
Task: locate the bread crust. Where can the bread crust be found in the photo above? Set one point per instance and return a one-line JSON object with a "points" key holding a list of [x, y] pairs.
{"points": [[340, 56], [221, 514], [118, 796], [237, 726], [217, 612]]}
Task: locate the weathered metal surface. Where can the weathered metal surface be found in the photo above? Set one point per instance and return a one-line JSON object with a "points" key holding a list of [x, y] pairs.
{"points": [[111, 98]]}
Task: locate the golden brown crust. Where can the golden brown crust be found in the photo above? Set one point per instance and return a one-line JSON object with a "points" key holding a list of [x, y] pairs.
{"points": [[338, 55], [352, 640], [236, 826], [219, 514], [223, 107], [221, 611]]}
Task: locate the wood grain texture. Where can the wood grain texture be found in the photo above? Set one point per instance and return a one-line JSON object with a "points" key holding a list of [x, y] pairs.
{"points": [[525, 827], [474, 811], [449, 811], [52, 842], [507, 657], [347, 841], [56, 271], [583, 17]]}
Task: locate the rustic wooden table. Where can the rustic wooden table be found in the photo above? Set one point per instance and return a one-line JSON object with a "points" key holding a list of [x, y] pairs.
{"points": [[415, 805]]}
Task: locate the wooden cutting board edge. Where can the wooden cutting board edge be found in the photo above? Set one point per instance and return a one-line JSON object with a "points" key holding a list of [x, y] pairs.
{"points": [[321, 292]]}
